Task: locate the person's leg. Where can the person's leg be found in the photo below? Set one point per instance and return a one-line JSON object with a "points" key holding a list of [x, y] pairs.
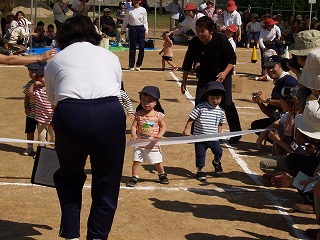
{"points": [[141, 42], [42, 133], [133, 35], [200, 150], [3, 25], [216, 149], [163, 64]]}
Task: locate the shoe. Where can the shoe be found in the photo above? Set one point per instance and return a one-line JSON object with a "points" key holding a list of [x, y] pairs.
{"points": [[267, 176], [175, 68], [217, 167], [163, 69], [131, 69], [234, 140], [132, 182], [28, 152], [304, 208], [163, 178], [257, 78], [312, 233], [201, 176], [137, 68], [248, 45]]}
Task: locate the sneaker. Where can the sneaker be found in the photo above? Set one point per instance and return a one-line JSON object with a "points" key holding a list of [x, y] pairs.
{"points": [[131, 69], [217, 167], [28, 152], [175, 68], [201, 176], [304, 208], [132, 181], [234, 140], [248, 45], [137, 68], [163, 178], [312, 233]]}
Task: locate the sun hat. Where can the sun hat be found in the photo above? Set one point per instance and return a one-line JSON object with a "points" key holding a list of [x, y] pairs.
{"points": [[254, 15], [273, 60], [33, 66], [152, 91], [315, 18], [10, 14], [40, 71], [305, 42], [231, 6], [14, 24], [190, 7], [308, 121], [106, 10], [232, 28], [214, 85], [269, 21], [299, 17], [310, 76]]}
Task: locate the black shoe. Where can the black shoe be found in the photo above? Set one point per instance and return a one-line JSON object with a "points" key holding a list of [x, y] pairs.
{"points": [[163, 178], [312, 233], [132, 181], [201, 176], [217, 167], [234, 140]]}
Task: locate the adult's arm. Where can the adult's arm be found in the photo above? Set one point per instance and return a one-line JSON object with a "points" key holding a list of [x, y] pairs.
{"points": [[125, 21], [187, 63], [21, 60], [261, 37]]}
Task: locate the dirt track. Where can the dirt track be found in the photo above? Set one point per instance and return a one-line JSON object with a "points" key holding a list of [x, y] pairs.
{"points": [[239, 204]]}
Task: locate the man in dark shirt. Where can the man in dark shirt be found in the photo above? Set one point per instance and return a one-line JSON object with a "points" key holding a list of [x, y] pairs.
{"points": [[108, 25], [216, 57]]}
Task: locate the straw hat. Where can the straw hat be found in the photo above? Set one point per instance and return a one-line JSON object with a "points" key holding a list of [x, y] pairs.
{"points": [[305, 42], [231, 6], [308, 121], [310, 76]]}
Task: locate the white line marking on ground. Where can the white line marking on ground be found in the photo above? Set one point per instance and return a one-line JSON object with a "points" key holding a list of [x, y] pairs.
{"points": [[254, 176]]}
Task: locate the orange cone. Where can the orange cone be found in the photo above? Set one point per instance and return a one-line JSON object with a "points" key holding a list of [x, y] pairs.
{"points": [[254, 55]]}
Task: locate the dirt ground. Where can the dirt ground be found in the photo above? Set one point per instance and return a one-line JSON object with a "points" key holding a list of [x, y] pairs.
{"points": [[238, 204]]}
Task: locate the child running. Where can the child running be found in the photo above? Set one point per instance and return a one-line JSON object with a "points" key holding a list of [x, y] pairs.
{"points": [[148, 124], [167, 51], [30, 109], [208, 118]]}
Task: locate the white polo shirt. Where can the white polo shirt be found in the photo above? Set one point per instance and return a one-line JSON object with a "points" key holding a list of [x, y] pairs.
{"points": [[191, 22], [234, 18]]}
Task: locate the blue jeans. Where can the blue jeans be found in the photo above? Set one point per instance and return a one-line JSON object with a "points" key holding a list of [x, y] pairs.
{"points": [[201, 148], [95, 128]]}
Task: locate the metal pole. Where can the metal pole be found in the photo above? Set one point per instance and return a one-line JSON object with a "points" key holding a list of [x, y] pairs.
{"points": [[99, 11], [155, 22], [30, 29], [310, 16]]}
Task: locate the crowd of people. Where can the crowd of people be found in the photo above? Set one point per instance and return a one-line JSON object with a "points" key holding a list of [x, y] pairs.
{"points": [[93, 112]]}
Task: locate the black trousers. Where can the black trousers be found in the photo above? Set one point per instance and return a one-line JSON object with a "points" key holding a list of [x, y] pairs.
{"points": [[228, 105], [136, 36], [305, 164], [3, 26], [95, 128]]}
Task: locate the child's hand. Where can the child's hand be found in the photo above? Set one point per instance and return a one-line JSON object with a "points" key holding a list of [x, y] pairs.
{"points": [[186, 132], [27, 110], [134, 138], [274, 135], [159, 136], [130, 116]]}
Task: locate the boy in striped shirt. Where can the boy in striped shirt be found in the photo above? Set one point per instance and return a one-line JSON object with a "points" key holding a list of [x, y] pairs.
{"points": [[44, 112], [207, 118]]}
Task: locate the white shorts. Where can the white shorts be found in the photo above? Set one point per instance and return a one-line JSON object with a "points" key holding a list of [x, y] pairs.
{"points": [[142, 154]]}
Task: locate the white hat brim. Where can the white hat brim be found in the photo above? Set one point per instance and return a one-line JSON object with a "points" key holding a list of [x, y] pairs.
{"points": [[303, 127]]}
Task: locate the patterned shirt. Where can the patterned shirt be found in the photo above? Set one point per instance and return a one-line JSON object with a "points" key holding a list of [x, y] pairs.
{"points": [[207, 118], [125, 101], [32, 101], [148, 126], [44, 112]]}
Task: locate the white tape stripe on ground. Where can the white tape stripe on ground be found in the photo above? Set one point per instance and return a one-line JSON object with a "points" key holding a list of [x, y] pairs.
{"points": [[255, 178]]}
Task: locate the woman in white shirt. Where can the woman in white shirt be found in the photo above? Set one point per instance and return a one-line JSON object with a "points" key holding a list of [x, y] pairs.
{"points": [[59, 13], [83, 83], [136, 18]]}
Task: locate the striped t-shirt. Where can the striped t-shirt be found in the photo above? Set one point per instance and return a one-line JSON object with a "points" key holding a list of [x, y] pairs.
{"points": [[32, 101], [44, 112], [207, 118]]}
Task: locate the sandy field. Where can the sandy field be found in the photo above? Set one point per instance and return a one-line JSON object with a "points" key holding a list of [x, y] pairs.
{"points": [[238, 204]]}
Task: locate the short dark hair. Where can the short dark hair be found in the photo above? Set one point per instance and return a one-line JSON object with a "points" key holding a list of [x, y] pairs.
{"points": [[77, 29], [50, 26], [40, 23], [206, 23]]}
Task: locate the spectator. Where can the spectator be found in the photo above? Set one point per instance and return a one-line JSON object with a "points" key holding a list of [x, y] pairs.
{"points": [[84, 8], [10, 18], [218, 19], [108, 25], [39, 39], [287, 34], [6, 6], [174, 9], [202, 6], [50, 35], [209, 10], [74, 7], [60, 9], [253, 30]]}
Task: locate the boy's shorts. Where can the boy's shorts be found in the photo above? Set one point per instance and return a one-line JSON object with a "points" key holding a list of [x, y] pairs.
{"points": [[167, 58], [31, 125], [142, 154]]}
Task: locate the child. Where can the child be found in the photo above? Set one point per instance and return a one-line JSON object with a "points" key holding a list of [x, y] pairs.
{"points": [[230, 34], [148, 124], [44, 111], [208, 118], [30, 108], [266, 54], [167, 51], [126, 103], [50, 35], [39, 40]]}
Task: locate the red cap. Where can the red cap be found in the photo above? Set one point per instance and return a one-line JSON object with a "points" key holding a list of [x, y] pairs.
{"points": [[190, 7], [269, 21], [232, 28], [231, 6]]}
